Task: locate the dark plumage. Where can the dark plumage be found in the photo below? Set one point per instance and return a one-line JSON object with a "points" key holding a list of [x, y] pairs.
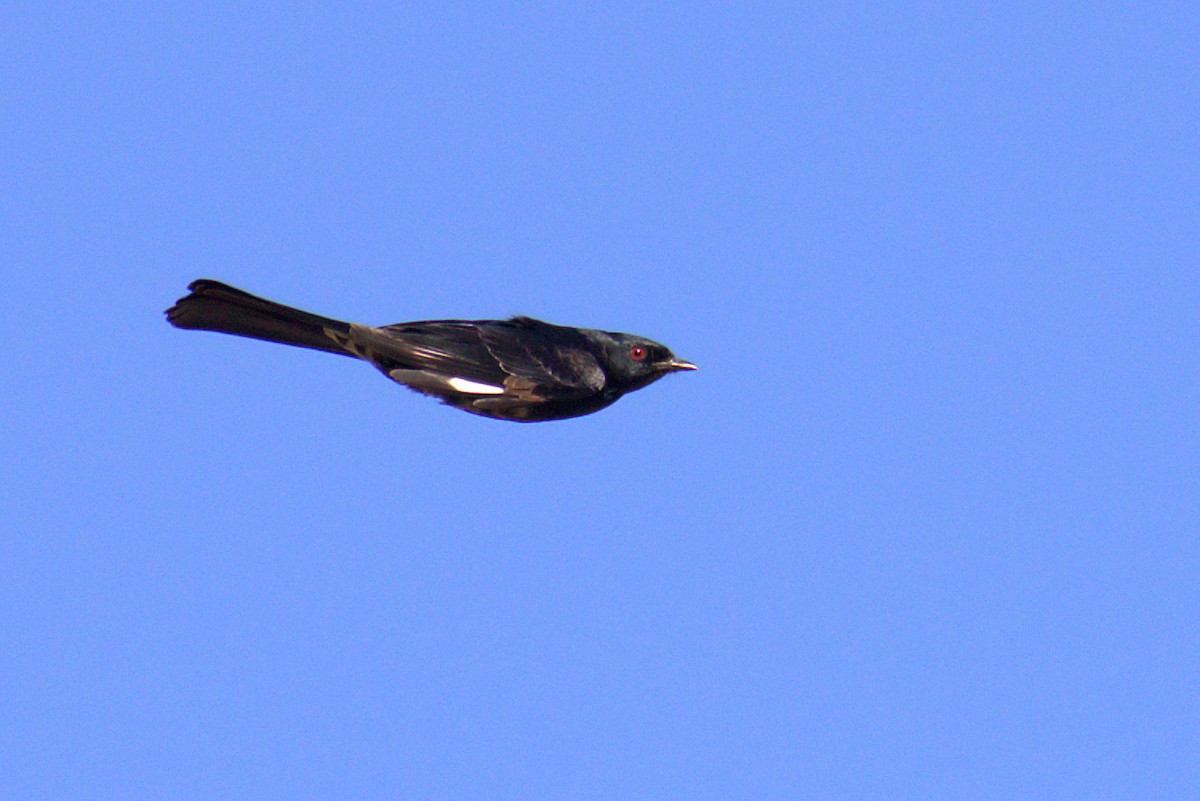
{"points": [[520, 369]]}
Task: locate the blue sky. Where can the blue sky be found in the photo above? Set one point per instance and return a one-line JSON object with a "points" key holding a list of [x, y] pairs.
{"points": [[924, 525]]}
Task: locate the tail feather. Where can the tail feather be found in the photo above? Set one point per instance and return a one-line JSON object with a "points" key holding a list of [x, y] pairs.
{"points": [[213, 306]]}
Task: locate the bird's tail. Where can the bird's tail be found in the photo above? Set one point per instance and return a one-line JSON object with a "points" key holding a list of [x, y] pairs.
{"points": [[213, 306]]}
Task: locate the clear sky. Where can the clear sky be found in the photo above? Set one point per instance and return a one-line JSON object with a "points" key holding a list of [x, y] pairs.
{"points": [[924, 525]]}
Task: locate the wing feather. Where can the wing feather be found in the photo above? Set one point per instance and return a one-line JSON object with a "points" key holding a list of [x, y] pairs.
{"points": [[533, 361]]}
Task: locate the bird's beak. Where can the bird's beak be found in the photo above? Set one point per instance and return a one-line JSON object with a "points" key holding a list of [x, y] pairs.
{"points": [[677, 364]]}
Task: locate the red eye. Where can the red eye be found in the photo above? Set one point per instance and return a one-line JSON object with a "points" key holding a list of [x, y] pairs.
{"points": [[637, 353]]}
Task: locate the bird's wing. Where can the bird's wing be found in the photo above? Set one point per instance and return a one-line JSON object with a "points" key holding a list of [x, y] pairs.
{"points": [[449, 347], [544, 354], [522, 357]]}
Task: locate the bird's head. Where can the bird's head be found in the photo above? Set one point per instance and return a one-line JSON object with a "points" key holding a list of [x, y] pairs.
{"points": [[635, 361]]}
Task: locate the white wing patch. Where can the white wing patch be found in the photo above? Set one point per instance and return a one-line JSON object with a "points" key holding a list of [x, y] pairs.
{"points": [[474, 387]]}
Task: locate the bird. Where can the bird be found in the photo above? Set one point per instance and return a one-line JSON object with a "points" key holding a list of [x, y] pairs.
{"points": [[520, 369]]}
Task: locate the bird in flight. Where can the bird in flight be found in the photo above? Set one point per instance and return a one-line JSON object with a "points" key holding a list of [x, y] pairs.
{"points": [[519, 369]]}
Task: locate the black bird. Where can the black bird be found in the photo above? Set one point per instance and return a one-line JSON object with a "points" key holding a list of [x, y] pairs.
{"points": [[520, 369]]}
